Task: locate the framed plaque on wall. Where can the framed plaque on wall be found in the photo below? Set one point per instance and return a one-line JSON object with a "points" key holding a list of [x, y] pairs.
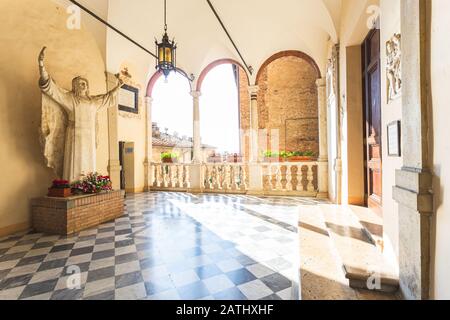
{"points": [[129, 99], [394, 139]]}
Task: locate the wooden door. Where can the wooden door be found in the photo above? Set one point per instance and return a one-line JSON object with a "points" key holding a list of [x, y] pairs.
{"points": [[372, 120], [121, 159]]}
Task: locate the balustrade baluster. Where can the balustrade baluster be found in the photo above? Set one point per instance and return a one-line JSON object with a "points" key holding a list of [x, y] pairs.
{"points": [[289, 186], [243, 177], [179, 176], [227, 177], [171, 176], [215, 184], [155, 175], [234, 178], [210, 177], [310, 178], [187, 177], [160, 176], [278, 185]]}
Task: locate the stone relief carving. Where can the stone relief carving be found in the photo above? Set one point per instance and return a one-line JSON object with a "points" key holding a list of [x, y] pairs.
{"points": [[333, 100], [332, 66], [69, 123], [393, 67]]}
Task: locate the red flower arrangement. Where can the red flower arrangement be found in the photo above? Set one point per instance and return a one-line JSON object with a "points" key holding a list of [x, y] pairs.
{"points": [[92, 183], [60, 184], [60, 189]]}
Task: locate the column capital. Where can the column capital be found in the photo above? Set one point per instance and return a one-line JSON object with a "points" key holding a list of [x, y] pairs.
{"points": [[321, 82], [148, 102], [253, 90], [196, 94]]}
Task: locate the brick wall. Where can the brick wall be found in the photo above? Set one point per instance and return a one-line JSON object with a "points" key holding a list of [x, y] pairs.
{"points": [[70, 215], [244, 109], [288, 104]]}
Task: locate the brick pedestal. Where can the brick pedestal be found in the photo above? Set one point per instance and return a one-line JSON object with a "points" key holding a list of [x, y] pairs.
{"points": [[66, 216]]}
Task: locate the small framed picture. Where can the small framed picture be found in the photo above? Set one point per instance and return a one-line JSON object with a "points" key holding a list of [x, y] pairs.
{"points": [[394, 139], [129, 99]]}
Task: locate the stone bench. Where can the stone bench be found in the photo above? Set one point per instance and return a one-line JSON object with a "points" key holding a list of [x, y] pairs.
{"points": [[66, 216]]}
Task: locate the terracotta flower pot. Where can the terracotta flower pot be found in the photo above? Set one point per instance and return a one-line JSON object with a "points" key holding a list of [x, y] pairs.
{"points": [[169, 160], [59, 192], [300, 158]]}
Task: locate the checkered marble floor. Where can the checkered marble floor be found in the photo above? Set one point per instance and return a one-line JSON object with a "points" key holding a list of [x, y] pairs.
{"points": [[167, 246]]}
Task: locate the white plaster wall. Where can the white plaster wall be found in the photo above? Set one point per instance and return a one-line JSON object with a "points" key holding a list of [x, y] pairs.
{"points": [[95, 27], [70, 53], [440, 81], [390, 24]]}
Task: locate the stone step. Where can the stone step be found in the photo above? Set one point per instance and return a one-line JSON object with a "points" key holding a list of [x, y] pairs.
{"points": [[321, 273], [372, 224], [363, 262]]}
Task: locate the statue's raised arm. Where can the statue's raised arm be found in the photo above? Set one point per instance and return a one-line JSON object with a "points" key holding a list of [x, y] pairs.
{"points": [[42, 71], [49, 87], [109, 99]]}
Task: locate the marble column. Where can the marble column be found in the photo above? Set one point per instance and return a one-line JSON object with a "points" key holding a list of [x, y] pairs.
{"points": [[196, 166], [323, 138], [197, 144], [148, 172], [114, 167], [255, 169], [254, 123], [413, 190]]}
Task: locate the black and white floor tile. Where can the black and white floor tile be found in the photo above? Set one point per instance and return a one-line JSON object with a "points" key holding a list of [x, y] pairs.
{"points": [[168, 246]]}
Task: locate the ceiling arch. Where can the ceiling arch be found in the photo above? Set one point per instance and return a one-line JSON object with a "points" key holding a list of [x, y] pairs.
{"points": [[260, 28], [290, 53]]}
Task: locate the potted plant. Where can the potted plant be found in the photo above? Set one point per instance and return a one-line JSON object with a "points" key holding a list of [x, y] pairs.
{"points": [[91, 184], [298, 156], [295, 156], [60, 189], [270, 156], [169, 157]]}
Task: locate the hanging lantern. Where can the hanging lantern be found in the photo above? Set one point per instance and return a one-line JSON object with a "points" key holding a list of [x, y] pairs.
{"points": [[166, 50]]}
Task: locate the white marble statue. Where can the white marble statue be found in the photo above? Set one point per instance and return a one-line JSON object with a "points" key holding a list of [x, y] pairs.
{"points": [[69, 124]]}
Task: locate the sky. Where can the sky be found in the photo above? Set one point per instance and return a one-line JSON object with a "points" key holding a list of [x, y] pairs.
{"points": [[219, 110]]}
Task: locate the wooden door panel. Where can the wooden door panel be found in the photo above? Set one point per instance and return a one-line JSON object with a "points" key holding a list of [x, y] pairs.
{"points": [[372, 118]]}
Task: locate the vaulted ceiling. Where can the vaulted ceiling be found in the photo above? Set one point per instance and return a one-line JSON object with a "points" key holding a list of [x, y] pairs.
{"points": [[260, 28]]}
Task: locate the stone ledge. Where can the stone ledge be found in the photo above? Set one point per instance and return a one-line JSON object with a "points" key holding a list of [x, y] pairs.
{"points": [[413, 180], [422, 203], [67, 216]]}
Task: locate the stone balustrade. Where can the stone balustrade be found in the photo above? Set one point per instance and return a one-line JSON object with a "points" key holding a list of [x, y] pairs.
{"points": [[225, 177], [289, 178], [299, 178]]}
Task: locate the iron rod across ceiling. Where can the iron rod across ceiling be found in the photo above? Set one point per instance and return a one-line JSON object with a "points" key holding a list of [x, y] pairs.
{"points": [[229, 36], [112, 27]]}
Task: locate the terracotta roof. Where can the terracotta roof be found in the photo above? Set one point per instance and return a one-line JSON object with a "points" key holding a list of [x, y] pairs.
{"points": [[172, 143]]}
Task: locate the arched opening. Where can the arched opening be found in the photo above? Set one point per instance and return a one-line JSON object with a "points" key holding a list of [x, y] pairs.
{"points": [[288, 104], [225, 110], [172, 117]]}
